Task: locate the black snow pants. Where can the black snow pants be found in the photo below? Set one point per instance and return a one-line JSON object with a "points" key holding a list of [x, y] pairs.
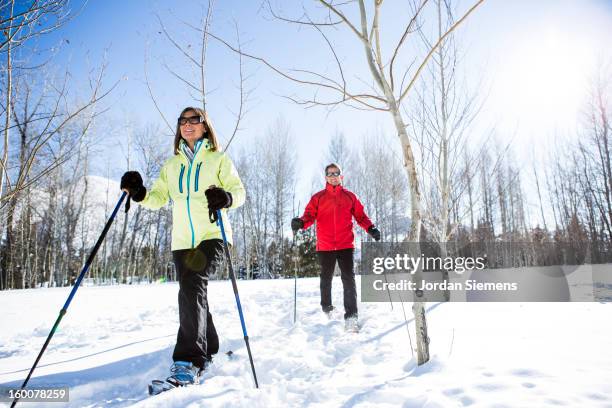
{"points": [[197, 339], [327, 261]]}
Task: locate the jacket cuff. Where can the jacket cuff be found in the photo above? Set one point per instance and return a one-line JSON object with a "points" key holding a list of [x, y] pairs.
{"points": [[231, 199]]}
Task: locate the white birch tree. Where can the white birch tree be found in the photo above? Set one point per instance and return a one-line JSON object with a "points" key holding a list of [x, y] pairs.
{"points": [[385, 92]]}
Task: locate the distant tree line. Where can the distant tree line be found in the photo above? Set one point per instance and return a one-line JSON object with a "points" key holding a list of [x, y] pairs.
{"points": [[472, 189], [55, 221]]}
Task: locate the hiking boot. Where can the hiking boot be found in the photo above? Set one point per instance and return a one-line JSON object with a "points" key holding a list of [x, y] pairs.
{"points": [[184, 373]]}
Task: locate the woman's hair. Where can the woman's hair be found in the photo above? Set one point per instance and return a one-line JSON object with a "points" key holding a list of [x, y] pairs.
{"points": [[210, 134]]}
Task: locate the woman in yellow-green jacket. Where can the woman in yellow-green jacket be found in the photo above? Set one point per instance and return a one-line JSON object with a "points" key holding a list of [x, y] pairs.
{"points": [[199, 179]]}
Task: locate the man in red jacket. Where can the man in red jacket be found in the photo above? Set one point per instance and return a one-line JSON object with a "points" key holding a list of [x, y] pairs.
{"points": [[333, 210]]}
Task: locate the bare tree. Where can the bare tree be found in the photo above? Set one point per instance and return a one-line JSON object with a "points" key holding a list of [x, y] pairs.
{"points": [[194, 78], [18, 24], [441, 115], [270, 189], [21, 24], [42, 121], [279, 169], [339, 151], [379, 180], [385, 92], [38, 112]]}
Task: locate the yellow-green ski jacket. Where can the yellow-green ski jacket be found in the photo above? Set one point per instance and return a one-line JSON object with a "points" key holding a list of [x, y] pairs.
{"points": [[184, 183]]}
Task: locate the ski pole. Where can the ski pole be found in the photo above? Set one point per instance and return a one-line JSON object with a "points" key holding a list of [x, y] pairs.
{"points": [[295, 261], [235, 286], [74, 289], [295, 252]]}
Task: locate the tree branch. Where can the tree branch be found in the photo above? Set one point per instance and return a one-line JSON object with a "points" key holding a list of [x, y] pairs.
{"points": [[440, 40]]}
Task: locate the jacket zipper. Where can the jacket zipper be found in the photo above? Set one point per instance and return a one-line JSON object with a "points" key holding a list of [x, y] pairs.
{"points": [[188, 196], [197, 177], [335, 208], [181, 178]]}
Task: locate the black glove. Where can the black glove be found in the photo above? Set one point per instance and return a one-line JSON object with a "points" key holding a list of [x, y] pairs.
{"points": [[374, 232], [297, 224], [132, 182], [218, 198]]}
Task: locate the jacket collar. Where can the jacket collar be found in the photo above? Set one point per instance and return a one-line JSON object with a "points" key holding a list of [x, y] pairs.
{"points": [[202, 144], [332, 189]]}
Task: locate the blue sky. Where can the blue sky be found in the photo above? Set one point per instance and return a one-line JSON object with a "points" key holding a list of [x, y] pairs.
{"points": [[532, 58]]}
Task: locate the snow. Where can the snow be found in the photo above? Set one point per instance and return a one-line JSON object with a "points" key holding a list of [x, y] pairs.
{"points": [[115, 339]]}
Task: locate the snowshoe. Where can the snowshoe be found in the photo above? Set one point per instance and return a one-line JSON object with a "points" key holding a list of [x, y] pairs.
{"points": [[159, 386], [183, 374]]}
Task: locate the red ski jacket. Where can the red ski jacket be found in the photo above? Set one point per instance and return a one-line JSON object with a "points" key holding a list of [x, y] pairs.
{"points": [[333, 210]]}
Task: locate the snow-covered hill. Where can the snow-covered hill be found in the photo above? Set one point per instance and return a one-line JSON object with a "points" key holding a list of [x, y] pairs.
{"points": [[115, 339]]}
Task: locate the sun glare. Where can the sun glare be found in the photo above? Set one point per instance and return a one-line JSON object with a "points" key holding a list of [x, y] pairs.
{"points": [[545, 82]]}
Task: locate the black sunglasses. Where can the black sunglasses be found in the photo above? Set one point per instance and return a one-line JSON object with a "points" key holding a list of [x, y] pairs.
{"points": [[332, 174], [194, 120]]}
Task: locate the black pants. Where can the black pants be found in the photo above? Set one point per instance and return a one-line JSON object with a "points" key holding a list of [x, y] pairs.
{"points": [[327, 260], [197, 338]]}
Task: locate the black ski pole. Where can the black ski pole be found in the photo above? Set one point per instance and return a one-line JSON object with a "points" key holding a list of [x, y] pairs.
{"points": [[73, 291], [235, 286], [295, 265], [295, 252]]}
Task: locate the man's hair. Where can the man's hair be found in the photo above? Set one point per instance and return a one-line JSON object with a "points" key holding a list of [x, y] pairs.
{"points": [[330, 165]]}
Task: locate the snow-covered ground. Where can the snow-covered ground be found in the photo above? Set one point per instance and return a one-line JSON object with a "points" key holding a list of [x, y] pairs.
{"points": [[114, 340]]}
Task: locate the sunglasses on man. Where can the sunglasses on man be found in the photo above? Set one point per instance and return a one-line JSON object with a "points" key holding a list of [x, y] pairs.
{"points": [[332, 173], [194, 120]]}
